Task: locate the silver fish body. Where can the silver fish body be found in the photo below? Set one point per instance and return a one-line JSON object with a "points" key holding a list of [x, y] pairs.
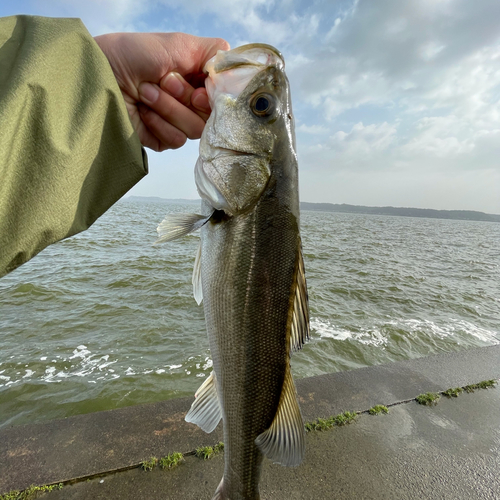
{"points": [[250, 268]]}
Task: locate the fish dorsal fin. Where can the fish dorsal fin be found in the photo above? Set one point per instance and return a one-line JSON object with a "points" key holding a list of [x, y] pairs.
{"points": [[205, 411], [299, 331], [196, 280], [285, 441], [175, 226]]}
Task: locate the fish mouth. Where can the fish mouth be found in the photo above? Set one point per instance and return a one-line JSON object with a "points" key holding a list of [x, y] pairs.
{"points": [[258, 55], [263, 46], [218, 152]]}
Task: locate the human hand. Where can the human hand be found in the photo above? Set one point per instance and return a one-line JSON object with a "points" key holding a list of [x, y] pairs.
{"points": [[161, 79]]}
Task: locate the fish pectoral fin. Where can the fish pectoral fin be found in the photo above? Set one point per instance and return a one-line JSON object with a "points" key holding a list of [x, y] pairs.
{"points": [[299, 331], [175, 226], [196, 280], [285, 441], [205, 411]]}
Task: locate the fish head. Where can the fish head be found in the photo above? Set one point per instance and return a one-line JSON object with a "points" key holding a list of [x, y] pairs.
{"points": [[251, 119]]}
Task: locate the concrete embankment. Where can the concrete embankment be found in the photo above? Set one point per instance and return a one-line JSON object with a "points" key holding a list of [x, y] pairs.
{"points": [[448, 450]]}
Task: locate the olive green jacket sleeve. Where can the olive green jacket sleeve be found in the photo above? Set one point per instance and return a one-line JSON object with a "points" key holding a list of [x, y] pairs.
{"points": [[68, 150]]}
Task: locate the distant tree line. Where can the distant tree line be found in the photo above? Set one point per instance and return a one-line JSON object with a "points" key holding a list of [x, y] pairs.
{"points": [[357, 209], [402, 211]]}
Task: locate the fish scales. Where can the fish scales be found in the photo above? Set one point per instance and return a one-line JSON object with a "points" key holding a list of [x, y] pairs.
{"points": [[250, 351], [249, 269]]}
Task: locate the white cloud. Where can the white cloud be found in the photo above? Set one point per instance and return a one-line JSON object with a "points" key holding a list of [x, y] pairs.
{"points": [[429, 50], [312, 129], [361, 140], [443, 137], [396, 101], [99, 16]]}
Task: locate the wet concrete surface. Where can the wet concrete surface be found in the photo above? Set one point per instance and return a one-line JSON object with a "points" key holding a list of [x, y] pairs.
{"points": [[451, 450]]}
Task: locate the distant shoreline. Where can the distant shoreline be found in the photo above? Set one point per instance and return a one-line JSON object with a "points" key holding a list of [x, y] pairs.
{"points": [[359, 209]]}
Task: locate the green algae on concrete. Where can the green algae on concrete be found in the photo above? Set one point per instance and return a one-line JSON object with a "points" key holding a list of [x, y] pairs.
{"points": [[31, 493], [452, 393], [207, 452], [149, 465], [172, 460], [485, 384], [323, 424], [378, 409], [168, 462], [428, 399]]}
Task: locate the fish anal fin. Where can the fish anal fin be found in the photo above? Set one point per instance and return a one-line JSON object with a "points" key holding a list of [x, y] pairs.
{"points": [[196, 280], [285, 441], [205, 411], [299, 331], [178, 225]]}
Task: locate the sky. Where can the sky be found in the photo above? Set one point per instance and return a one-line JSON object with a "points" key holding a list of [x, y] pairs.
{"points": [[395, 102]]}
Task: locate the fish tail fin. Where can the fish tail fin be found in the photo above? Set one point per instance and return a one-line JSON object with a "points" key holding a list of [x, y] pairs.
{"points": [[219, 492]]}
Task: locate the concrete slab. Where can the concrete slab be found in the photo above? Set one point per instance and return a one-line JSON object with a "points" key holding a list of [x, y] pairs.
{"points": [[450, 451], [85, 445], [395, 382]]}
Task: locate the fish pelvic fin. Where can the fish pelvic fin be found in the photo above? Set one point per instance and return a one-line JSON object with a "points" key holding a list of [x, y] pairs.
{"points": [[205, 411], [285, 440], [176, 226], [196, 280], [299, 331]]}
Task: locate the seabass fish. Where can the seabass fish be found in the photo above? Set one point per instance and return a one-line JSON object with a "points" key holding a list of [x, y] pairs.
{"points": [[249, 270]]}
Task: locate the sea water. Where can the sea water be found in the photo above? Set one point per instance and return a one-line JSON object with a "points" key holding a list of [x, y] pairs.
{"points": [[105, 320]]}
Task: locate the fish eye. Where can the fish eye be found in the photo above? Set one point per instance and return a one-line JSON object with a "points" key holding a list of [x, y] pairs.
{"points": [[262, 105]]}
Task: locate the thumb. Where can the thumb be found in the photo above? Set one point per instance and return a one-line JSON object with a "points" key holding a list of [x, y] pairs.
{"points": [[192, 53]]}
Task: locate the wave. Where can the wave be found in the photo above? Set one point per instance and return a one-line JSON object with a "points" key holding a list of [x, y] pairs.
{"points": [[380, 334]]}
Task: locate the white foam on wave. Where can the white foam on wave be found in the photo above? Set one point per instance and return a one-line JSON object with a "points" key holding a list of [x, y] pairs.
{"points": [[453, 328], [367, 336], [374, 335], [80, 352], [325, 329]]}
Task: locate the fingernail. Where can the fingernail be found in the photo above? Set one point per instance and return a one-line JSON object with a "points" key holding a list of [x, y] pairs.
{"points": [[173, 84], [200, 101], [149, 93]]}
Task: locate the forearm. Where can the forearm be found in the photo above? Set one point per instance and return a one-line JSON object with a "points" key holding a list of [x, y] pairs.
{"points": [[68, 150]]}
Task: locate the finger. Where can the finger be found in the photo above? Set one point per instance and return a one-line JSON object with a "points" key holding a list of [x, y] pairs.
{"points": [[160, 134], [175, 85], [171, 110], [199, 101], [194, 51]]}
